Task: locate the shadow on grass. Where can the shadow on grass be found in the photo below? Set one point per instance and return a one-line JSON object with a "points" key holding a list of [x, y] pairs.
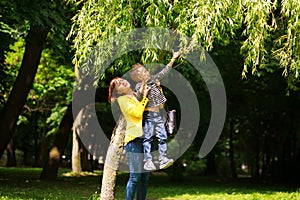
{"points": [[24, 183]]}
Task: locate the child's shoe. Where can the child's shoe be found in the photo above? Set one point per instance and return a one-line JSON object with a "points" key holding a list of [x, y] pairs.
{"points": [[165, 163], [149, 165]]}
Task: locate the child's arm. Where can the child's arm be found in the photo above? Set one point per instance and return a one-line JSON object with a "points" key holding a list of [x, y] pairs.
{"points": [[168, 67], [175, 55]]}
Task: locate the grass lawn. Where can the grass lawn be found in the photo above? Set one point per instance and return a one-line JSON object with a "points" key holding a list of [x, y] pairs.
{"points": [[24, 183]]}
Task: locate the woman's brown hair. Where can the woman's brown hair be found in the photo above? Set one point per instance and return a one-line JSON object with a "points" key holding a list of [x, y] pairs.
{"points": [[112, 94]]}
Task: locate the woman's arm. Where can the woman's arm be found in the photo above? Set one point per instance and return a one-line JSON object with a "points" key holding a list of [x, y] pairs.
{"points": [[132, 107]]}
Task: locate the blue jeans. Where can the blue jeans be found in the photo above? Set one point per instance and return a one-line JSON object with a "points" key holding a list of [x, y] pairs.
{"points": [[154, 125], [138, 179]]}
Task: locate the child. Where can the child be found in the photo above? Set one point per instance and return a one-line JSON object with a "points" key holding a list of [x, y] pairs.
{"points": [[153, 123]]}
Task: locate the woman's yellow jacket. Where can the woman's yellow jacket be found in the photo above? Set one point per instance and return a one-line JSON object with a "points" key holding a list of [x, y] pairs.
{"points": [[132, 110]]}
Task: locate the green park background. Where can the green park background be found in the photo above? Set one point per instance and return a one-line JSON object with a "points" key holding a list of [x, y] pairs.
{"points": [[44, 51]]}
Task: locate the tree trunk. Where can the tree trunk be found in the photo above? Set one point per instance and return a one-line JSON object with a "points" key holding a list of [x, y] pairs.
{"points": [[257, 159], [86, 160], [211, 168], [177, 171], [11, 156], [42, 155], [266, 159], [36, 137], [76, 164], [112, 160], [35, 39], [50, 170], [25, 155], [231, 150]]}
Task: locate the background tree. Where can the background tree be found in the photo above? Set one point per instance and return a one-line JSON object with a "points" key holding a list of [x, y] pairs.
{"points": [[41, 114], [40, 17]]}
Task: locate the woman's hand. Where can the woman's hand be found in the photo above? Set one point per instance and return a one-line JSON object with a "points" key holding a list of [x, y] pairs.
{"points": [[144, 88]]}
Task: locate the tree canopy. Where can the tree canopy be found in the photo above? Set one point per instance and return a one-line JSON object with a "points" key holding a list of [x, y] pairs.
{"points": [[268, 30]]}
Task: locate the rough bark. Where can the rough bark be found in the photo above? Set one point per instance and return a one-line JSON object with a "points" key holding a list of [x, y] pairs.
{"points": [[17, 98], [42, 155], [177, 171], [114, 152], [256, 168], [231, 150], [11, 156], [211, 168], [76, 164], [86, 160], [51, 169]]}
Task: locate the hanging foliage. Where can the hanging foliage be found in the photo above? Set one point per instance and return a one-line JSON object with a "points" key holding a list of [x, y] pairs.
{"points": [[267, 29]]}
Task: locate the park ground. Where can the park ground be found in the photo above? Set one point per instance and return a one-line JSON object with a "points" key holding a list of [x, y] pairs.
{"points": [[24, 183]]}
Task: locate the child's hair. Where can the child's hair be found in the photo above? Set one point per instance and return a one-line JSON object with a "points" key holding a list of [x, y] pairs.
{"points": [[112, 93], [133, 72]]}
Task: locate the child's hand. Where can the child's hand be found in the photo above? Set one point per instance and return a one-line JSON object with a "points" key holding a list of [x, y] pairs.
{"points": [[157, 83], [175, 54]]}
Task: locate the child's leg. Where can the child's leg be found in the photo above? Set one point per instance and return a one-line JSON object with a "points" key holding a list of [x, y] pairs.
{"points": [[148, 128], [161, 134]]}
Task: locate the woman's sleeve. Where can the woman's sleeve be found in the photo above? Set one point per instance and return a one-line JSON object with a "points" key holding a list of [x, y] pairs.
{"points": [[132, 107]]}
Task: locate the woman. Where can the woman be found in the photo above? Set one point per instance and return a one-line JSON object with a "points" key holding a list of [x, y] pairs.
{"points": [[132, 110]]}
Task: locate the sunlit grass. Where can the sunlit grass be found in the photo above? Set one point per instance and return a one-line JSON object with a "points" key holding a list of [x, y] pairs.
{"points": [[252, 196], [212, 189], [24, 183]]}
